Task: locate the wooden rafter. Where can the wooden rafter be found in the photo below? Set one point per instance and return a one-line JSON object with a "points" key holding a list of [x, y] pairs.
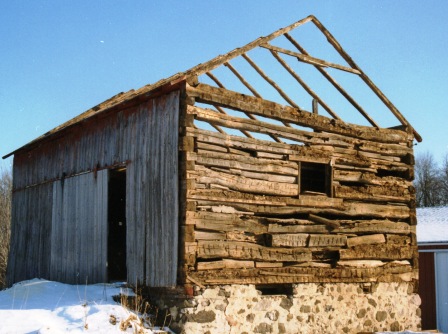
{"points": [[221, 110], [364, 77], [310, 60], [270, 81], [334, 83], [304, 85], [241, 78]]}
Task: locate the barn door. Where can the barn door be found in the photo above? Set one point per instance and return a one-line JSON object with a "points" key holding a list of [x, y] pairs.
{"points": [[79, 229]]}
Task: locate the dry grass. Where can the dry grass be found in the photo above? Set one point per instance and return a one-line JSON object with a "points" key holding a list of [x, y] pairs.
{"points": [[5, 221], [142, 315]]}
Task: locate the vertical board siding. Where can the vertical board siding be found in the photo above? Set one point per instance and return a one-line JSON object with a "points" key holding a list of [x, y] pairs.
{"points": [[146, 139], [29, 254], [79, 224], [152, 190]]}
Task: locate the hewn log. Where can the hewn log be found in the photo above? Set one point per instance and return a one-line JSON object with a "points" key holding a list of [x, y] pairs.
{"points": [[225, 222], [271, 205], [312, 264], [298, 274], [254, 145], [244, 184], [203, 235], [257, 106], [377, 252], [214, 159], [321, 240], [267, 155], [330, 223], [370, 178], [366, 240], [277, 228], [398, 239], [209, 147], [384, 193], [225, 263], [288, 240], [248, 251], [268, 264], [239, 123], [259, 176], [361, 263], [374, 226]]}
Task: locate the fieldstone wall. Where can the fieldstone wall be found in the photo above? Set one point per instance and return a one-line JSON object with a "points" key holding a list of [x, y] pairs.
{"points": [[312, 308]]}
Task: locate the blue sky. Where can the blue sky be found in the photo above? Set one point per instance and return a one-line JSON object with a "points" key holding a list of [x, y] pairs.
{"points": [[60, 58]]}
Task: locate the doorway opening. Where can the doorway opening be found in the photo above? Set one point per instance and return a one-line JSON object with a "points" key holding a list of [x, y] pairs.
{"points": [[116, 213]]}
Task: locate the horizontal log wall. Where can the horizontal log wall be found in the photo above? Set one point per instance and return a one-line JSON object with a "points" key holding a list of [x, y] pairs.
{"points": [[248, 218]]}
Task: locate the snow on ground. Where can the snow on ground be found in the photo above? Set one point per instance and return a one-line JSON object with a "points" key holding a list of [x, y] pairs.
{"points": [[41, 306]]}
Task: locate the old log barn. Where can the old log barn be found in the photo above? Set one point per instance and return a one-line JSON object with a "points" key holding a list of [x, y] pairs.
{"points": [[239, 191]]}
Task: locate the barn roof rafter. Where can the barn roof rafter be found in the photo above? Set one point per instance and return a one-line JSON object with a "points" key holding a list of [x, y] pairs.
{"points": [[297, 52]]}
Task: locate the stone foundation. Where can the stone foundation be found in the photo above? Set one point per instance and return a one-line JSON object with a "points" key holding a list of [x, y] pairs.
{"points": [[310, 308]]}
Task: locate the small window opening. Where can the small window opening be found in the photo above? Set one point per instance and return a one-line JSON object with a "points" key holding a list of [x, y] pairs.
{"points": [[116, 243], [314, 178], [273, 290]]}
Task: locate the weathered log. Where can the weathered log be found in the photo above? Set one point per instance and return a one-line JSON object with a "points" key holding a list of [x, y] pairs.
{"points": [[277, 228], [257, 106], [373, 193], [321, 240], [374, 226], [252, 164], [258, 176], [244, 184], [225, 222], [306, 274], [288, 240], [366, 240], [204, 235], [330, 223], [268, 264], [248, 251], [377, 252], [361, 263], [225, 263]]}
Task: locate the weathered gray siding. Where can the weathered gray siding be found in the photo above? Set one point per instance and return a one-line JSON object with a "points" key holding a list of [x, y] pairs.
{"points": [[67, 175], [79, 229], [152, 195], [29, 254]]}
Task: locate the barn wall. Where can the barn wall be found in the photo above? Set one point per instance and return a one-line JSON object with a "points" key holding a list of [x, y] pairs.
{"points": [[79, 229], [30, 245], [251, 218], [142, 138]]}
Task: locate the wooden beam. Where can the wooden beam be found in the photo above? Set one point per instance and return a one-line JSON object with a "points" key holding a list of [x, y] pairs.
{"points": [[306, 87], [257, 106], [270, 81], [249, 251], [241, 78], [338, 87], [364, 77], [248, 86], [310, 60]]}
